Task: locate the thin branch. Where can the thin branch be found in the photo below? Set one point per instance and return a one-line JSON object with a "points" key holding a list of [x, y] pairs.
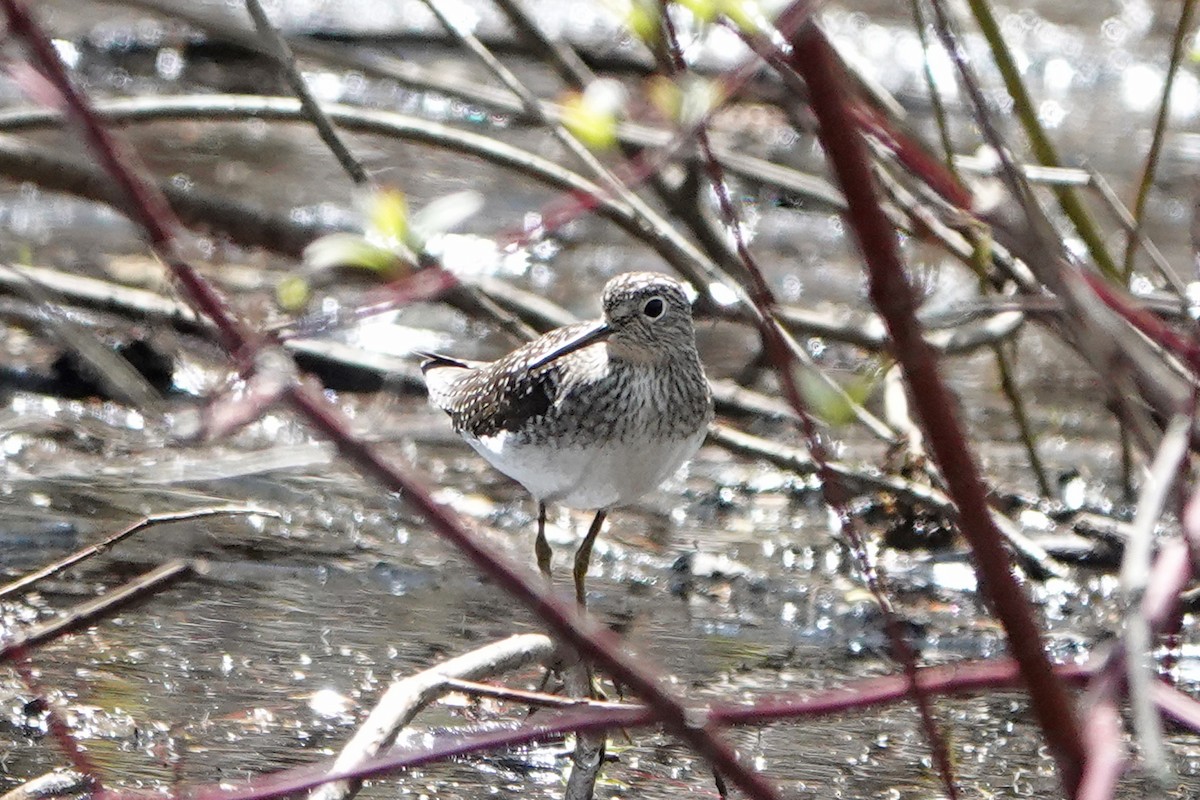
{"points": [[834, 494], [320, 120], [1182, 30], [1033, 558], [1039, 228], [1135, 574], [96, 293], [59, 783], [860, 695], [687, 259], [28, 580], [405, 698], [1043, 148], [561, 56], [1008, 384], [1104, 190], [88, 612], [892, 296], [528, 698], [246, 224], [113, 373], [935, 96], [662, 239]]}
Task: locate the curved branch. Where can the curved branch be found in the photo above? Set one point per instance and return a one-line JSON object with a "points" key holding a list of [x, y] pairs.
{"points": [[383, 123]]}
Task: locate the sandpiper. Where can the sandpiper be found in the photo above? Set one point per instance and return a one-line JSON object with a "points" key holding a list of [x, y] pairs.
{"points": [[591, 415]]}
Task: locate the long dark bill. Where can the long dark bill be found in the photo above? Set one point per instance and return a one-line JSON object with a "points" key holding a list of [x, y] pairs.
{"points": [[598, 332]]}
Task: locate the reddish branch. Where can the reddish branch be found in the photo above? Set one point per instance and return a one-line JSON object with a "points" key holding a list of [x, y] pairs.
{"points": [[894, 299], [857, 696], [1185, 348], [785, 363]]}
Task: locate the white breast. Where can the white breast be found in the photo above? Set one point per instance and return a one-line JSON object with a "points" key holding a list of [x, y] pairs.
{"points": [[601, 476]]}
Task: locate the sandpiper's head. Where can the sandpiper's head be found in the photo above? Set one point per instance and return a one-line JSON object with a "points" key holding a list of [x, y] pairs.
{"points": [[650, 316], [647, 318]]}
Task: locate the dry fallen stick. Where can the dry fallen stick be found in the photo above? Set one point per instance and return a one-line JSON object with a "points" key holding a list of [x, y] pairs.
{"points": [[87, 612], [401, 702], [530, 698], [29, 579]]}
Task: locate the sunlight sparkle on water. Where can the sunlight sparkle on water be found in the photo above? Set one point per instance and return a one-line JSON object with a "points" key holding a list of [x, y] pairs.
{"points": [[1051, 114], [1141, 87], [168, 63], [721, 294], [467, 255], [1058, 75], [67, 51], [329, 703]]}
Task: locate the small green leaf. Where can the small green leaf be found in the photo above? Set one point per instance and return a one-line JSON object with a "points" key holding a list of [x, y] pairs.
{"points": [[594, 126], [349, 250], [387, 215], [643, 21], [665, 95], [702, 10], [823, 401], [747, 15], [292, 293]]}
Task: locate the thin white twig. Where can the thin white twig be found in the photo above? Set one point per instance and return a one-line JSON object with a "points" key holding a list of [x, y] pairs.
{"points": [[1135, 571], [404, 698]]}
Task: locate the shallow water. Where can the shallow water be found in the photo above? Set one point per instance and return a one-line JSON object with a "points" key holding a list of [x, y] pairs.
{"points": [[268, 660]]}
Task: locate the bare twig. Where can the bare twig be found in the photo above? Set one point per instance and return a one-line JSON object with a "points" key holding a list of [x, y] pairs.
{"points": [[528, 698], [1182, 30], [320, 120], [405, 698], [1108, 196], [1102, 729], [1032, 557], [935, 96], [59, 783], [560, 55], [1135, 574], [80, 290], [892, 296], [26, 581], [685, 257], [1043, 148], [1008, 384], [115, 374], [247, 224], [88, 612], [834, 494], [860, 695]]}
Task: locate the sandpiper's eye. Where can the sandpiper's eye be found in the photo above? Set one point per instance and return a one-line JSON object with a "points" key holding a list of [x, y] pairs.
{"points": [[653, 308]]}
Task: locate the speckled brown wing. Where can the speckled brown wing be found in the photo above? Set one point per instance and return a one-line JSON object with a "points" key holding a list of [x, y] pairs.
{"points": [[503, 395]]}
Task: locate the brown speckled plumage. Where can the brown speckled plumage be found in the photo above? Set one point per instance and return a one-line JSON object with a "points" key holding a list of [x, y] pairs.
{"points": [[641, 387], [592, 415]]}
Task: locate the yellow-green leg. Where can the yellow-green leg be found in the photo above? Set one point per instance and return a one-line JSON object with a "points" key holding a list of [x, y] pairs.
{"points": [[541, 547], [589, 748], [583, 557]]}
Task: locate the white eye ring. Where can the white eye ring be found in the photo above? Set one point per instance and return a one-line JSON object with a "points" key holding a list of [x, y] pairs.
{"points": [[654, 308]]}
